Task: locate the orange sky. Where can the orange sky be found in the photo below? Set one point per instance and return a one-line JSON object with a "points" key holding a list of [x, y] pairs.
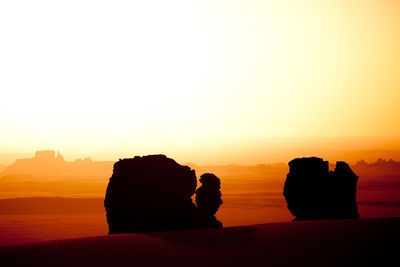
{"points": [[110, 78]]}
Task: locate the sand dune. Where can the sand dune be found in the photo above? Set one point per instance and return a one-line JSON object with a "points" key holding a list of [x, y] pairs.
{"points": [[309, 243]]}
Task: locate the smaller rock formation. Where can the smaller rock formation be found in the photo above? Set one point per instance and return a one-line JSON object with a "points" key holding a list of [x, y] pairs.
{"points": [[313, 192], [208, 200]]}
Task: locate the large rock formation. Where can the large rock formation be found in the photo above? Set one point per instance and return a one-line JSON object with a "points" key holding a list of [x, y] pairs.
{"points": [[313, 192], [151, 193], [208, 200]]}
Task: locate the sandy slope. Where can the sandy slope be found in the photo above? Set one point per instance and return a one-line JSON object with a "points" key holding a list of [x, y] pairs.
{"points": [[318, 243]]}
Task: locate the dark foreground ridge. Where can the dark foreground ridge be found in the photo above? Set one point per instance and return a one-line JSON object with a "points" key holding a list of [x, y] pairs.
{"points": [[372, 242], [154, 193], [313, 192]]}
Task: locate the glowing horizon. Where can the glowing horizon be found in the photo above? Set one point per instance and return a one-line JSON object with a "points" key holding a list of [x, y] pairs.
{"points": [[104, 77]]}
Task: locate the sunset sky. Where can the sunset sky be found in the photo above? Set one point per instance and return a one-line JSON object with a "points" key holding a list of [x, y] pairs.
{"points": [[108, 77]]}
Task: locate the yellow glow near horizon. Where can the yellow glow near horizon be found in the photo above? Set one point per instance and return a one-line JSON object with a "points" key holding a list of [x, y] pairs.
{"points": [[124, 75]]}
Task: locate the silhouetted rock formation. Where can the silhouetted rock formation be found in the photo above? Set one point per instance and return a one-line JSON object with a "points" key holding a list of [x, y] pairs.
{"points": [[313, 192], [208, 200], [151, 193]]}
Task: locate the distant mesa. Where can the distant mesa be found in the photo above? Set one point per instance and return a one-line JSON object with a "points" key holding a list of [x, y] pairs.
{"points": [[48, 155], [381, 167], [312, 192], [47, 165], [154, 193]]}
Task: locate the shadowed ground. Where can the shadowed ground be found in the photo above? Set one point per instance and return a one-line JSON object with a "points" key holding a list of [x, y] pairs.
{"points": [[304, 243]]}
